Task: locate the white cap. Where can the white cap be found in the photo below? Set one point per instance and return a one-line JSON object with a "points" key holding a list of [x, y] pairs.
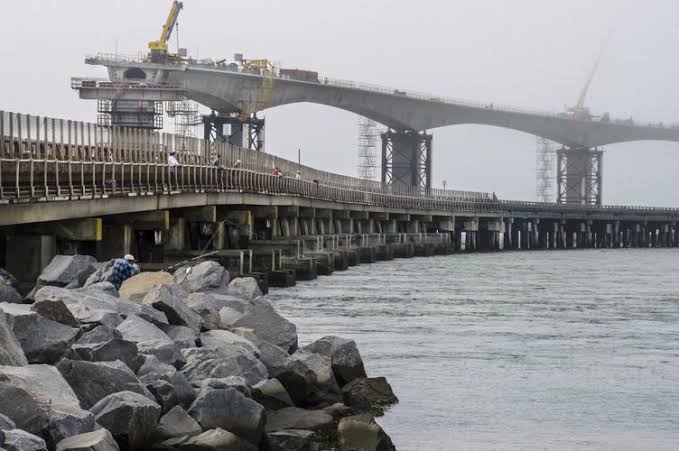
{"points": [[129, 257]]}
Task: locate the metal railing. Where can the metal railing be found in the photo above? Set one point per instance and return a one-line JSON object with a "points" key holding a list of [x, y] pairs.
{"points": [[45, 159], [548, 206]]}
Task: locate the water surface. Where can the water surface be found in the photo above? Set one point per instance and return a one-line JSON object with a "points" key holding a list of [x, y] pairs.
{"points": [[512, 351]]}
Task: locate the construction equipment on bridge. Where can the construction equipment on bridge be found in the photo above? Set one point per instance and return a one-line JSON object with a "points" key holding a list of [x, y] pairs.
{"points": [[263, 97], [579, 110], [300, 75], [368, 134], [544, 170], [159, 48], [186, 117]]}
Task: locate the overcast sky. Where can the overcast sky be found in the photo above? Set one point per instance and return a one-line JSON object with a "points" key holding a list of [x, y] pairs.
{"points": [[528, 53]]}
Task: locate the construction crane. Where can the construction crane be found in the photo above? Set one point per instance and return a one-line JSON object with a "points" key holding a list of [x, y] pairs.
{"points": [[159, 48], [580, 111]]}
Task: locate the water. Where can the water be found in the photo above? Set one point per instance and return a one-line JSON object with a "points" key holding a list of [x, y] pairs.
{"points": [[512, 351]]}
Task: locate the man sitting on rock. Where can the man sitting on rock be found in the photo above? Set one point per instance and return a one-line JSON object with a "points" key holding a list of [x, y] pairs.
{"points": [[123, 269]]}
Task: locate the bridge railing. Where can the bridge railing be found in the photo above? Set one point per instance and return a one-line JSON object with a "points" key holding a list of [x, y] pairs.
{"points": [[43, 159], [549, 206]]}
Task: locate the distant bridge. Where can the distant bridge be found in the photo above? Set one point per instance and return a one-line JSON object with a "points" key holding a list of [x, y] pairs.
{"points": [[407, 148]]}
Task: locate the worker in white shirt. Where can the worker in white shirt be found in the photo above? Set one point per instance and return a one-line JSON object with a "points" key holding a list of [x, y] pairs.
{"points": [[172, 163]]}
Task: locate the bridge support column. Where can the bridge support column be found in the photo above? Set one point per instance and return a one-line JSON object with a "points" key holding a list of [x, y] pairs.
{"points": [[579, 175], [509, 239], [406, 159], [243, 132]]}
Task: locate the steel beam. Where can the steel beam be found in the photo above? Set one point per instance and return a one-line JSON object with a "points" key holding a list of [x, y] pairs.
{"points": [[407, 159], [579, 176]]}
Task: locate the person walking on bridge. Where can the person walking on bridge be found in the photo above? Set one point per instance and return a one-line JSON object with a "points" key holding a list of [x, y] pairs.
{"points": [[123, 269]]}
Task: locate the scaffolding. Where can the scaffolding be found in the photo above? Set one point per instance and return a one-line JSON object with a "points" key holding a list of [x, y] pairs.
{"points": [[545, 167], [186, 117], [368, 136]]}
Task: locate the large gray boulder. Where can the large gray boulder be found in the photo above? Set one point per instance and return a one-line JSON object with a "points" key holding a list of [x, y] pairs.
{"points": [[245, 287], [362, 432], [100, 440], [168, 300], [296, 418], [63, 269], [55, 310], [40, 401], [216, 440], [42, 340], [10, 348], [229, 409], [93, 381], [371, 394], [204, 276], [228, 316], [151, 340], [90, 305], [176, 423], [182, 336], [130, 417], [289, 439], [208, 306], [271, 394], [203, 363], [294, 375], [344, 356], [103, 273], [219, 339], [9, 288], [328, 391], [18, 440], [236, 382], [136, 287], [168, 386], [261, 317], [106, 344]]}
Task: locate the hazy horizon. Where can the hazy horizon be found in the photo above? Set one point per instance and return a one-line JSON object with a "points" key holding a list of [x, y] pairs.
{"points": [[526, 53]]}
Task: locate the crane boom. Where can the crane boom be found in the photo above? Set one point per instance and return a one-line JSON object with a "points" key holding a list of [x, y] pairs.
{"points": [[160, 46]]}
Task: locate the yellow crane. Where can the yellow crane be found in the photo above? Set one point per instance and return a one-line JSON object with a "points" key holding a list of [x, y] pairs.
{"points": [[579, 110], [159, 48]]}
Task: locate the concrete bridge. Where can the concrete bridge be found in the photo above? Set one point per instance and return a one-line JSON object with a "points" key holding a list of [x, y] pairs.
{"points": [[68, 186], [407, 147]]}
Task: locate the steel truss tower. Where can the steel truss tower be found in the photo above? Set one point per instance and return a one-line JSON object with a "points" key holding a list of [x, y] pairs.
{"points": [[243, 131], [579, 175], [368, 135], [544, 170], [407, 159]]}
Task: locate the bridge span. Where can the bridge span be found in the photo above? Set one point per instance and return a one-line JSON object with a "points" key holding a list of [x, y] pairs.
{"points": [[232, 92], [68, 186]]}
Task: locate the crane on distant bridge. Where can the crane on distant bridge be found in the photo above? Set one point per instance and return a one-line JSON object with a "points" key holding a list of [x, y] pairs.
{"points": [[159, 48]]}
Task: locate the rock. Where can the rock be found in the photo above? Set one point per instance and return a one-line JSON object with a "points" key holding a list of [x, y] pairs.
{"points": [[103, 273], [104, 287], [153, 365], [130, 417], [165, 298], [245, 287], [294, 375], [40, 401], [205, 276], [155, 375], [235, 382], [9, 288], [271, 394], [6, 423], [100, 440], [269, 325], [208, 306], [218, 339], [362, 432], [182, 336], [110, 351], [93, 381], [163, 392], [289, 439], [10, 348], [42, 340], [229, 409], [228, 316], [344, 356], [176, 423], [203, 363], [55, 310], [216, 440], [151, 340], [296, 418], [18, 440], [81, 277], [372, 394], [63, 269], [135, 288], [89, 305], [321, 366]]}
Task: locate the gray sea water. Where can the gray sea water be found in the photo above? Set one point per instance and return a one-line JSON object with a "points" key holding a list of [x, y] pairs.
{"points": [[567, 350]]}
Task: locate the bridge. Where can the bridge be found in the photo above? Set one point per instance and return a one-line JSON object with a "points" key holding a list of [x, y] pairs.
{"points": [[234, 92], [68, 186]]}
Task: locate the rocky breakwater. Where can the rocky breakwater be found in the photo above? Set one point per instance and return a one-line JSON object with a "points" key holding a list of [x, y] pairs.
{"points": [[183, 361]]}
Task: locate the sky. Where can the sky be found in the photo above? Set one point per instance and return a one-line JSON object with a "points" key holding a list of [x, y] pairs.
{"points": [[528, 53]]}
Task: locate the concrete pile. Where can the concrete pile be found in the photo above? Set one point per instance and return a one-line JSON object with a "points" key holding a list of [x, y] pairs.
{"points": [[183, 361]]}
